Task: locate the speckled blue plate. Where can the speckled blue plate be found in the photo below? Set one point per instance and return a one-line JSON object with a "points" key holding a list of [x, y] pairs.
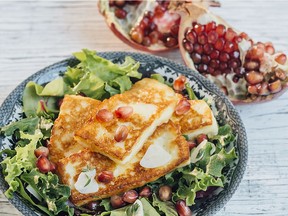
{"points": [[224, 111]]}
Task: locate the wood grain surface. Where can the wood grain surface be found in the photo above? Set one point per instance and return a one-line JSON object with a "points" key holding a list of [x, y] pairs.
{"points": [[34, 34]]}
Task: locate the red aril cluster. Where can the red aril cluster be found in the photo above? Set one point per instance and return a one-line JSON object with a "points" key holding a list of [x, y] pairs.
{"points": [[147, 32], [213, 49], [119, 11], [261, 82]]}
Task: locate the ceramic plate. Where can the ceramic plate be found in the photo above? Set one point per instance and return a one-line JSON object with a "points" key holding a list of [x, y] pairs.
{"points": [[224, 112]]}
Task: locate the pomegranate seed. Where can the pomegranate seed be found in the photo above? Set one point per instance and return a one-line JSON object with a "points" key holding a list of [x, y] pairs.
{"points": [[196, 58], [154, 37], [159, 11], [229, 47], [224, 57], [212, 37], [170, 42], [152, 27], [120, 13], [210, 26], [281, 59], [202, 68], [41, 151], [205, 59], [105, 176], [279, 73], [145, 192], [260, 45], [202, 38], [235, 79], [200, 138], [269, 48], [182, 209], [146, 41], [149, 15], [191, 145], [121, 133], [230, 34], [224, 90], [234, 63], [252, 65], [253, 89], [235, 54], [174, 30], [244, 35], [188, 46], [263, 89], [182, 107], [223, 66], [119, 3], [93, 206], [43, 164], [211, 70], [215, 54], [137, 35], [144, 22], [198, 28], [214, 63], [111, 3], [117, 201], [275, 86], [104, 115], [130, 196], [179, 83], [59, 102], [239, 71], [52, 167], [207, 48], [198, 48], [237, 39], [219, 45], [220, 29], [255, 53], [254, 77], [191, 36], [165, 193], [124, 112]]}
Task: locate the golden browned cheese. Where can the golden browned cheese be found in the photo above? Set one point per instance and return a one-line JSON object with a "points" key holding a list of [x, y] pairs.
{"points": [[126, 176], [75, 111], [199, 119], [153, 104]]}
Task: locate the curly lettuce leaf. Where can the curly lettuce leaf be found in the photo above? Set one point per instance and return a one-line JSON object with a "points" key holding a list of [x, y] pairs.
{"points": [[23, 161], [195, 181], [27, 125], [105, 69], [138, 207], [168, 208], [53, 194], [225, 136], [218, 161], [190, 92]]}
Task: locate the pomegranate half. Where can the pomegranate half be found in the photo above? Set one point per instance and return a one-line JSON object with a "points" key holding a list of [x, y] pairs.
{"points": [[246, 71], [146, 25]]}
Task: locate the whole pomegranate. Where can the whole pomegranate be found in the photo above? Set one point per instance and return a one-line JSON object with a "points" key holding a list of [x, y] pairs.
{"points": [[245, 70], [146, 25]]}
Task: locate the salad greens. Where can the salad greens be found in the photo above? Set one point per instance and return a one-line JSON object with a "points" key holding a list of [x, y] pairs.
{"points": [[100, 78]]}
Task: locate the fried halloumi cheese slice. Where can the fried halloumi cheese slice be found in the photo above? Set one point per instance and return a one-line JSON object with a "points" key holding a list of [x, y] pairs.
{"points": [[153, 104], [164, 151], [198, 120], [74, 112]]}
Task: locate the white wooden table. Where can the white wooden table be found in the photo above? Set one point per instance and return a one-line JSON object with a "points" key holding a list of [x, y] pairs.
{"points": [[34, 34]]}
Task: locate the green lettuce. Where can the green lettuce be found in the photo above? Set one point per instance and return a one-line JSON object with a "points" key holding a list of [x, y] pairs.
{"points": [[94, 77], [53, 194], [168, 208], [224, 136], [23, 161], [27, 125]]}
